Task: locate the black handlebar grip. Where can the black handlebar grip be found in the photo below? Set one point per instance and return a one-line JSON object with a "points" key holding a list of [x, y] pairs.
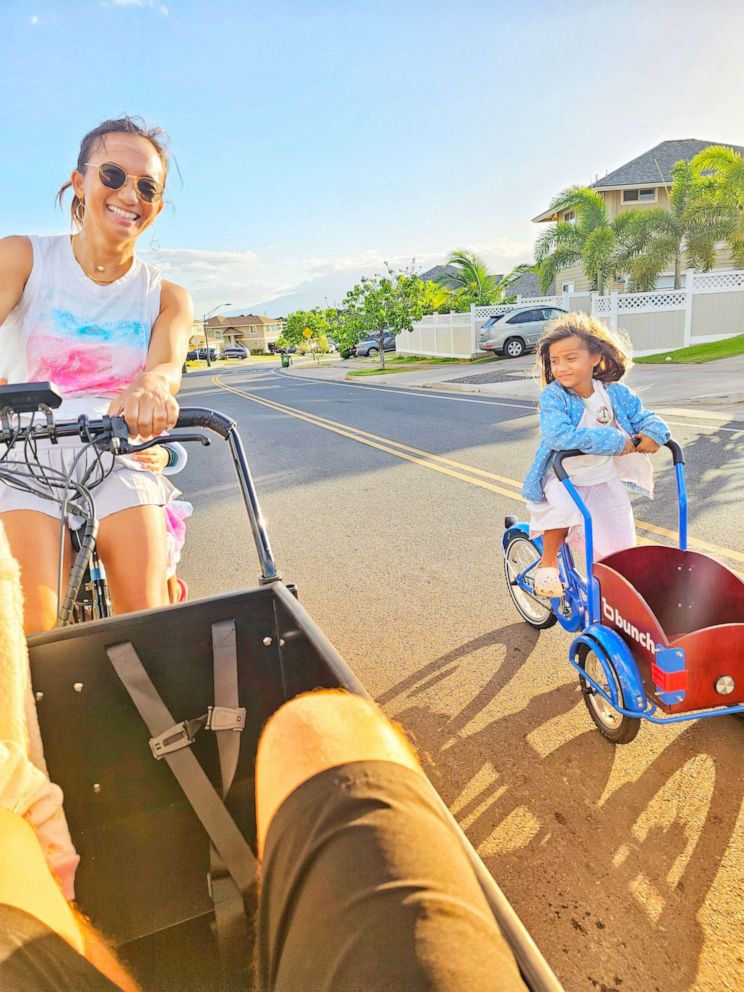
{"points": [[558, 468], [197, 416], [678, 456]]}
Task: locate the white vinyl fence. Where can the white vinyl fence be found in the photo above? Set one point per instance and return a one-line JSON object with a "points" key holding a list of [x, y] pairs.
{"points": [[708, 308]]}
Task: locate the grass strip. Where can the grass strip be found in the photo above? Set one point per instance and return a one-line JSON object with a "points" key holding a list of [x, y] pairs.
{"points": [[696, 354]]}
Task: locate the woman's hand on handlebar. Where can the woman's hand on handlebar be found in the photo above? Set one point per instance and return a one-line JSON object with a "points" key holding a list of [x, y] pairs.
{"points": [[646, 444], [147, 406]]}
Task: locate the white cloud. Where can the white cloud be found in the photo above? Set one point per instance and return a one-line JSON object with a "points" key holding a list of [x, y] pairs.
{"points": [[249, 280], [34, 20]]}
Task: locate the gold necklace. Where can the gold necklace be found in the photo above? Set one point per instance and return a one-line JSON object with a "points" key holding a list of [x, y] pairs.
{"points": [[99, 268]]}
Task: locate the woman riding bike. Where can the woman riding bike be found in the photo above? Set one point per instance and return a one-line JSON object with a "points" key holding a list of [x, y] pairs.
{"points": [[85, 312]]}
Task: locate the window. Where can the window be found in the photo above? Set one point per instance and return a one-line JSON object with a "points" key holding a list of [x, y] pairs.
{"points": [[549, 313], [639, 195], [526, 316], [570, 216]]}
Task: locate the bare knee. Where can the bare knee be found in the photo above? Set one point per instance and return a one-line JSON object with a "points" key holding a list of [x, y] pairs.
{"points": [[132, 544], [318, 731]]}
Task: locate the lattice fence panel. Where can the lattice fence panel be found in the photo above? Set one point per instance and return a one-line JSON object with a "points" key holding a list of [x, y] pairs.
{"points": [[601, 305], [671, 299], [532, 301], [718, 282]]}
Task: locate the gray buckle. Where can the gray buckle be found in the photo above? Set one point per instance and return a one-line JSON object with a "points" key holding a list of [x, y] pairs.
{"points": [[225, 718], [173, 739]]}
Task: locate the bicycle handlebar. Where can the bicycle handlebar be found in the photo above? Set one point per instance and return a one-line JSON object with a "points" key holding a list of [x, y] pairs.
{"points": [[114, 430], [115, 427], [678, 457]]}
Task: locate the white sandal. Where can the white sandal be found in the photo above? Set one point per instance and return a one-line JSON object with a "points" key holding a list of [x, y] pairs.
{"points": [[548, 583]]}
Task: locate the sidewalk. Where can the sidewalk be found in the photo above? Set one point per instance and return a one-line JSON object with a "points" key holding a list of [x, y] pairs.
{"points": [[717, 387]]}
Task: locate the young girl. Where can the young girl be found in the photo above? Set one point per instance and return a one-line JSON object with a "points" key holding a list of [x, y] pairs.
{"points": [[584, 405]]}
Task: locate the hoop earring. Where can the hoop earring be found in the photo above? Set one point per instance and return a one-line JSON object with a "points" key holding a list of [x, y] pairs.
{"points": [[79, 217]]}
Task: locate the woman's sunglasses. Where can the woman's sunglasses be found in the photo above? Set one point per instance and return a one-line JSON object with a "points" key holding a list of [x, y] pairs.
{"points": [[114, 177]]}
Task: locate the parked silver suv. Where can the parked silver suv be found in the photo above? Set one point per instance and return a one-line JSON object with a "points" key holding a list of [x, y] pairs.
{"points": [[516, 331]]}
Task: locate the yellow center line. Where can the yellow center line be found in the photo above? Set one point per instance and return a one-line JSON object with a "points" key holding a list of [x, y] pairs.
{"points": [[438, 463], [345, 432]]}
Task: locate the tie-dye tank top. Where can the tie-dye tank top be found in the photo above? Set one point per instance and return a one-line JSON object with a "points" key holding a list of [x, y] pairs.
{"points": [[89, 340]]}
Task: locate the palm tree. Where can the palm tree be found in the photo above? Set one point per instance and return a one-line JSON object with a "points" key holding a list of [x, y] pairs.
{"points": [[685, 234], [471, 281], [590, 240], [720, 206], [437, 298]]}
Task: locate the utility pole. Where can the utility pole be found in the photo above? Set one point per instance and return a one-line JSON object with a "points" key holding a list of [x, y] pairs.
{"points": [[206, 328]]}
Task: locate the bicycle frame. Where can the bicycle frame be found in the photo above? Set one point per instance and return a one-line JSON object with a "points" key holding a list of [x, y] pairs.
{"points": [[591, 583]]}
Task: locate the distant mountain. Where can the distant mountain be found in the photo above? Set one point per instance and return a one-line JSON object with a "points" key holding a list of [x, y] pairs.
{"points": [[331, 289]]}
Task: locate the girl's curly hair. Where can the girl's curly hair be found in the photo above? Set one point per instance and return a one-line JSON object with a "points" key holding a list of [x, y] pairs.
{"points": [[616, 352]]}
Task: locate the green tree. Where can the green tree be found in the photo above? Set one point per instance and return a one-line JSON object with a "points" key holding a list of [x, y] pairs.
{"points": [[437, 298], [384, 304], [471, 282], [720, 206], [685, 234], [294, 332], [591, 239]]}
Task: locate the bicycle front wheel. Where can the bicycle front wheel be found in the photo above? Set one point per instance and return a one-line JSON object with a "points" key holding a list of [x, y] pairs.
{"points": [[520, 553]]}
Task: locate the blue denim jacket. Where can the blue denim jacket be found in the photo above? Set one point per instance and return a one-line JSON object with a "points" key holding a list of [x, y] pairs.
{"points": [[560, 414]]}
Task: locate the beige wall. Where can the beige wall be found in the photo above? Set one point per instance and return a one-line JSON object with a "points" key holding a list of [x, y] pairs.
{"points": [[574, 274], [580, 304], [717, 314], [446, 335], [652, 332], [614, 201]]}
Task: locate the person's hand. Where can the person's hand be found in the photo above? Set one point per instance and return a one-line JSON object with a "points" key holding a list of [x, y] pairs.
{"points": [[629, 448], [155, 459], [146, 405], [646, 444]]}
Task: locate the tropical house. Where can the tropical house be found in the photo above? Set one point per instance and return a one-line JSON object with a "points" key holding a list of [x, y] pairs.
{"points": [[637, 185], [249, 330]]}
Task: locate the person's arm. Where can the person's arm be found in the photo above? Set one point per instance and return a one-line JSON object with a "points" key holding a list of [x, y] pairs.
{"points": [[562, 435], [148, 404], [16, 262], [644, 422]]}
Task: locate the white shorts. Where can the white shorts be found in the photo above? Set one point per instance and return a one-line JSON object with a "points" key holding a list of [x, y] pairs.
{"points": [[125, 482], [613, 526]]}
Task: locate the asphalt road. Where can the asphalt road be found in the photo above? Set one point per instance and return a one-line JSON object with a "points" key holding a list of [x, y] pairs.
{"points": [[386, 508]]}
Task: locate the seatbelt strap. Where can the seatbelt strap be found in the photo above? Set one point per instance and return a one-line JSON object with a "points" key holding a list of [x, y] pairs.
{"points": [[231, 920], [219, 825], [225, 657]]}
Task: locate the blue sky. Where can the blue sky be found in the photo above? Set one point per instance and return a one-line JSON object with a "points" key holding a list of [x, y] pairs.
{"points": [[317, 139]]}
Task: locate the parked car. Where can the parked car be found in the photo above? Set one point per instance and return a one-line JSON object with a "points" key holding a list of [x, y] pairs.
{"points": [[235, 351], [371, 346], [200, 354], [516, 331]]}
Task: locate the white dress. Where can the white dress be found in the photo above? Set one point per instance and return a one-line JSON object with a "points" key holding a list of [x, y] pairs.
{"points": [[596, 480]]}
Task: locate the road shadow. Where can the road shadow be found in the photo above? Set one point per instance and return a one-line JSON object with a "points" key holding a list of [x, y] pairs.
{"points": [[613, 876]]}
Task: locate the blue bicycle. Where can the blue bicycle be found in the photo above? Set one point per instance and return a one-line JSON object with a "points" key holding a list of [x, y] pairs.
{"points": [[660, 631]]}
